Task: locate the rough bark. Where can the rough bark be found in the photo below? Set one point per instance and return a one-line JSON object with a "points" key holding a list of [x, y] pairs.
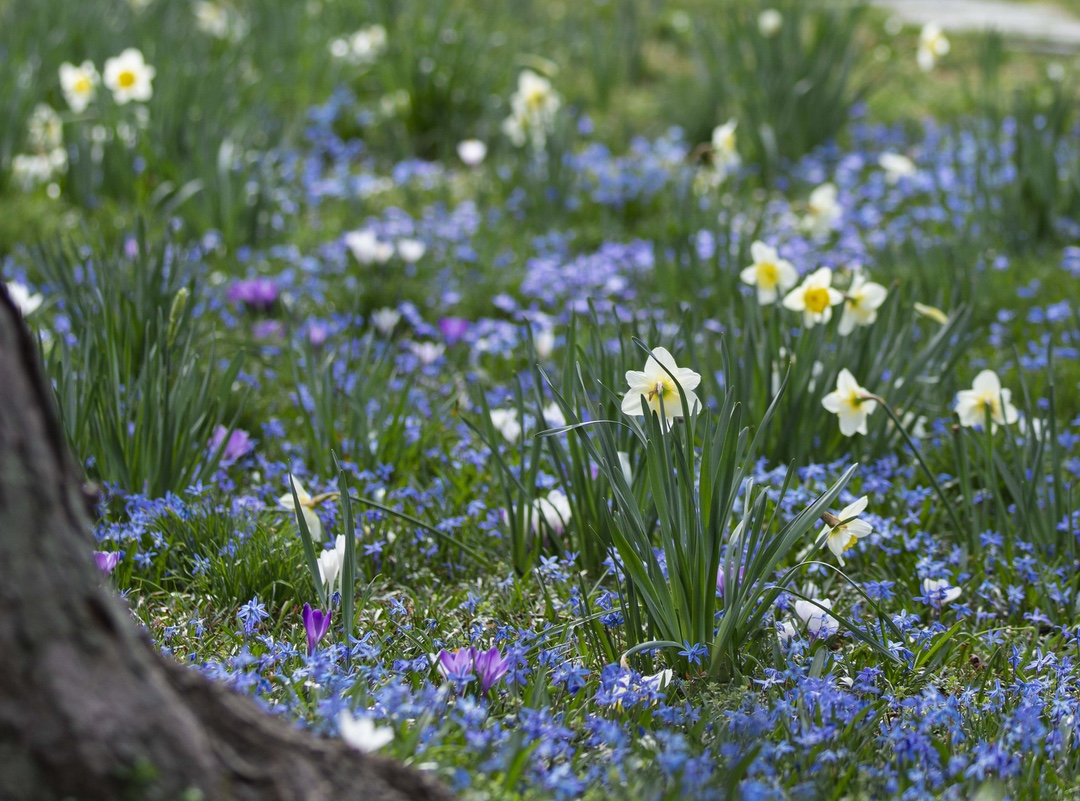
{"points": [[88, 708]]}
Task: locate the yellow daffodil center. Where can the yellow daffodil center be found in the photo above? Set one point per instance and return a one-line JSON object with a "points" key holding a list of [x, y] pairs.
{"points": [[126, 79], [82, 85], [663, 388], [768, 275], [817, 299], [535, 99]]}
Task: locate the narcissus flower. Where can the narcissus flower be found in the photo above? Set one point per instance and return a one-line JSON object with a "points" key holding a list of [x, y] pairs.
{"points": [[986, 396], [823, 211], [769, 273], [506, 423], [852, 403], [129, 77], [307, 507], [725, 156], [861, 303], [814, 297], [79, 85], [533, 107], [932, 46], [842, 531], [654, 385]]}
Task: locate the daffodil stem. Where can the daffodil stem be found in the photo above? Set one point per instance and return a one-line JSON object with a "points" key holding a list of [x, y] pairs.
{"points": [[922, 462]]}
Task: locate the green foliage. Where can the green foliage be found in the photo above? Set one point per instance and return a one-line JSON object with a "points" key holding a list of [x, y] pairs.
{"points": [[790, 91], [139, 389]]}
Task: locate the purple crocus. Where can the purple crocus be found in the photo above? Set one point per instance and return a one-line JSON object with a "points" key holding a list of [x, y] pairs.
{"points": [[720, 578], [490, 666], [106, 561], [453, 328], [316, 624], [317, 333], [457, 666], [238, 445], [257, 294]]}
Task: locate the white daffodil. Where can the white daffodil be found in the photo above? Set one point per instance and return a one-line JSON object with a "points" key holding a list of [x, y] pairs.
{"points": [[25, 302], [79, 85], [823, 211], [896, 166], [932, 46], [817, 621], [361, 733], [554, 509], [986, 395], [769, 273], [939, 592], [44, 129], [472, 152], [725, 156], [861, 303], [769, 22], [814, 297], [845, 529], [532, 111], [367, 248], [385, 320], [411, 250], [851, 403], [307, 507], [129, 77], [506, 423], [655, 385]]}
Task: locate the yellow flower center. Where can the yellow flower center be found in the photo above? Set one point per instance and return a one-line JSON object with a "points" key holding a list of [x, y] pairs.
{"points": [[126, 79], [817, 299], [768, 275], [664, 389], [83, 85]]}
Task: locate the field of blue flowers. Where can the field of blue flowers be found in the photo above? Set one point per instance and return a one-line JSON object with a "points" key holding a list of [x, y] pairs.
{"points": [[614, 399]]}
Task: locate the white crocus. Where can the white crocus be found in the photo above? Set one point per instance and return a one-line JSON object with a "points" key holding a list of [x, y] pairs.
{"points": [[129, 77], [24, 301], [79, 85], [814, 298], [769, 22], [851, 403], [769, 273], [817, 621], [472, 152], [896, 166], [986, 395], [654, 385], [367, 248], [555, 511], [411, 250], [307, 507], [932, 46], [846, 529], [331, 561], [385, 320], [361, 733], [861, 303], [506, 423], [553, 415], [939, 592], [823, 211]]}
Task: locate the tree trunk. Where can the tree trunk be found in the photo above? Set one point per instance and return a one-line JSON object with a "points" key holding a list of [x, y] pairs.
{"points": [[88, 708]]}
